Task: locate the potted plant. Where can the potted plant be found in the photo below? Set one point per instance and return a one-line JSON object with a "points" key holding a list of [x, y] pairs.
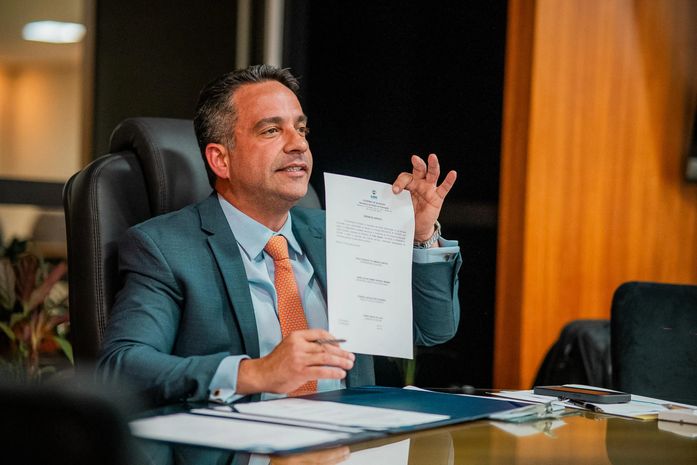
{"points": [[34, 320]]}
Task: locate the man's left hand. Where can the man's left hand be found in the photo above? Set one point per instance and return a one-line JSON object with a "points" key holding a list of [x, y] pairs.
{"points": [[426, 195]]}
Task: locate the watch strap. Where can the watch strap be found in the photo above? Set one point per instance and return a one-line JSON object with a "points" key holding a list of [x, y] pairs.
{"points": [[431, 240]]}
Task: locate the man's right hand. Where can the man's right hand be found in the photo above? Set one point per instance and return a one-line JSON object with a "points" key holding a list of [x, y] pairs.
{"points": [[296, 360]]}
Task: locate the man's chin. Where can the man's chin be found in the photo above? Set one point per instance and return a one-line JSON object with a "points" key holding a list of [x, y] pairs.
{"points": [[291, 197]]}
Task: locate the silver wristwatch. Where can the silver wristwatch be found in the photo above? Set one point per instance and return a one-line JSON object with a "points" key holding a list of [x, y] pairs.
{"points": [[431, 240]]}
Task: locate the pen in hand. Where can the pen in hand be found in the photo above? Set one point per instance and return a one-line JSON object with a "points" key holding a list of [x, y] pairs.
{"points": [[329, 341]]}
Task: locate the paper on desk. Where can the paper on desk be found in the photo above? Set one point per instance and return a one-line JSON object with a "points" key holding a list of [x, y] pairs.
{"points": [[227, 433], [370, 234], [416, 388], [267, 419], [528, 396], [641, 407], [396, 453], [337, 413]]}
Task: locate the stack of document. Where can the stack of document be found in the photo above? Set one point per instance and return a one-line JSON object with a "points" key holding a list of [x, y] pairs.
{"points": [[230, 433], [291, 424], [322, 419], [640, 407]]}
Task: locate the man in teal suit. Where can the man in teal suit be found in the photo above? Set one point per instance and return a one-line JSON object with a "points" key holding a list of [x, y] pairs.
{"points": [[196, 318]]}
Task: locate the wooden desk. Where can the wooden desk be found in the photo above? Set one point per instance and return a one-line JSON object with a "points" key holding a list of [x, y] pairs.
{"points": [[573, 439]]}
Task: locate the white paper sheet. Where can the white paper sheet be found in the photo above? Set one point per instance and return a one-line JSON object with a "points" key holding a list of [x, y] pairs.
{"points": [[228, 433], [282, 421], [370, 234], [390, 454], [336, 413]]}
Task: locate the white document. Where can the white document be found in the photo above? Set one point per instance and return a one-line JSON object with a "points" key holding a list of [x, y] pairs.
{"points": [[370, 233], [390, 454], [228, 433], [283, 421], [337, 413]]}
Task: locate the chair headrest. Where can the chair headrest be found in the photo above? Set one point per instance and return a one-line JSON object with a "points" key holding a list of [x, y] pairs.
{"points": [[169, 155]]}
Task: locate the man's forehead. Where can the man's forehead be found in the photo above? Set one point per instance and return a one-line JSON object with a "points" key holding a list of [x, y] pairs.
{"points": [[270, 99], [255, 91]]}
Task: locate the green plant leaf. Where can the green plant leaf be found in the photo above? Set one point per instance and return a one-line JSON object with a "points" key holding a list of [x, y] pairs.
{"points": [[409, 372], [16, 318], [66, 347], [8, 331]]}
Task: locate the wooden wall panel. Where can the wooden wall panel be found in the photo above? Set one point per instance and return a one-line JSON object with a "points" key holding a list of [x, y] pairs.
{"points": [[509, 259], [604, 201]]}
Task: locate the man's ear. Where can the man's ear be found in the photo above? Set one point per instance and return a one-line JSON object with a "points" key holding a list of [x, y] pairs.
{"points": [[218, 159]]}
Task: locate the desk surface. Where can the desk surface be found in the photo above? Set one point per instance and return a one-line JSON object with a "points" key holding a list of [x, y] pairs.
{"points": [[579, 438]]}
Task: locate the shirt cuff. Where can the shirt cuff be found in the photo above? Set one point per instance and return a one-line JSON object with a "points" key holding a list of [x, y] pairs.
{"points": [[447, 252], [223, 387]]}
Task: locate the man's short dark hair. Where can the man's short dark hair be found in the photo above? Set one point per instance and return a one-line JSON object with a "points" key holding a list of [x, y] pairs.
{"points": [[215, 114]]}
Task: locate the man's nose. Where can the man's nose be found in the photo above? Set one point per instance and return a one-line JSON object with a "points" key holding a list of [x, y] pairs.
{"points": [[296, 142]]}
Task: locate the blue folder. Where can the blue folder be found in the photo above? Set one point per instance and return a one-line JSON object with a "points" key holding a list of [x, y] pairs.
{"points": [[459, 408]]}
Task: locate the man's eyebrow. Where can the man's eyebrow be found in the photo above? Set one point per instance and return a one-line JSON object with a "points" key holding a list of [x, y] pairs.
{"points": [[277, 120], [264, 121]]}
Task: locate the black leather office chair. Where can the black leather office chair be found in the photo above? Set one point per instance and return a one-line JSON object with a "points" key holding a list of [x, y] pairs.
{"points": [[654, 340], [581, 355], [154, 167]]}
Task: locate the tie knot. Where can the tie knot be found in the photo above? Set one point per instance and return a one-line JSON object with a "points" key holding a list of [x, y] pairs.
{"points": [[277, 247]]}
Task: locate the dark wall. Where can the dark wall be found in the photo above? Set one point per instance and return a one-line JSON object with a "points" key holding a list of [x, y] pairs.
{"points": [[152, 57], [383, 80]]}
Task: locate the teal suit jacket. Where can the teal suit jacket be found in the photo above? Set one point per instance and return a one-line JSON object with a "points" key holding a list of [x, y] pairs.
{"points": [[185, 303]]}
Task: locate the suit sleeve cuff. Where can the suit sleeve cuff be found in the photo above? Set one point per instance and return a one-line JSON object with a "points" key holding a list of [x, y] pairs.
{"points": [[223, 387], [447, 252]]}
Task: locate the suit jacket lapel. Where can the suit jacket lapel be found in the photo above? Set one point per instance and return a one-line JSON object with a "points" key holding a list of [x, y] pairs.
{"points": [[224, 247], [312, 240]]}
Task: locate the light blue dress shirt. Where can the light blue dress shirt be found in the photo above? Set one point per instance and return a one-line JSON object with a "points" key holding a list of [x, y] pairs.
{"points": [[251, 238]]}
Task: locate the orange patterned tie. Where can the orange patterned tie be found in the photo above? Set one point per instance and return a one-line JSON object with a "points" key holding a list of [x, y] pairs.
{"points": [[290, 308]]}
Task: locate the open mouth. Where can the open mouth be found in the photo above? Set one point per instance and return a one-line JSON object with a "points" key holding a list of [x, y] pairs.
{"points": [[294, 168]]}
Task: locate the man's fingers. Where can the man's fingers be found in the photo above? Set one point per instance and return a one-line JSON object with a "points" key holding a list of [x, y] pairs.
{"points": [[324, 372], [422, 171], [419, 168], [312, 334], [331, 360], [402, 182], [433, 169], [447, 184], [333, 349]]}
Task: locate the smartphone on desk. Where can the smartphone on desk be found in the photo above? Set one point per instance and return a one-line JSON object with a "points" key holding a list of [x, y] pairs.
{"points": [[597, 396]]}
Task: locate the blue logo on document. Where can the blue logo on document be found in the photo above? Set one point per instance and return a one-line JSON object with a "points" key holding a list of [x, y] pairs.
{"points": [[374, 195]]}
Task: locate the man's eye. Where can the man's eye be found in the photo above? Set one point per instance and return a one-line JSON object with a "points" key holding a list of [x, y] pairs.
{"points": [[270, 131], [304, 131]]}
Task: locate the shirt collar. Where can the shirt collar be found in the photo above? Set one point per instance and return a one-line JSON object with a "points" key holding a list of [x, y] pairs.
{"points": [[251, 235]]}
